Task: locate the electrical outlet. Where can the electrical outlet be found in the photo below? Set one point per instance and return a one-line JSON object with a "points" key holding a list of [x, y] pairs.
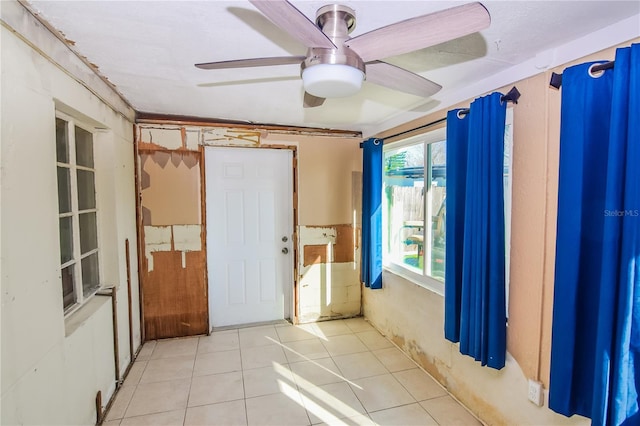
{"points": [[535, 392]]}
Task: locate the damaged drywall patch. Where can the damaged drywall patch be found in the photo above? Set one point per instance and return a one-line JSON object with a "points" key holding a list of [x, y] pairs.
{"points": [[180, 238], [187, 237], [334, 244], [221, 136], [328, 275], [315, 235], [192, 139], [317, 254], [166, 138], [185, 138], [156, 238], [316, 245]]}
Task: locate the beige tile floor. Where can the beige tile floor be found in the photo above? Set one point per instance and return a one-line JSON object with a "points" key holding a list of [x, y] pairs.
{"points": [[336, 373]]}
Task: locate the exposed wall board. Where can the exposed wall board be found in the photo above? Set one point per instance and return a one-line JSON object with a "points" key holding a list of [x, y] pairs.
{"points": [[329, 277], [316, 254], [174, 137], [175, 300], [328, 244], [182, 238], [345, 246], [220, 136], [173, 279]]}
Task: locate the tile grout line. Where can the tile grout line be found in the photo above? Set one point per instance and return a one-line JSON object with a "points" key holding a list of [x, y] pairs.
{"points": [[135, 386], [193, 370], [244, 389], [426, 372], [366, 412]]}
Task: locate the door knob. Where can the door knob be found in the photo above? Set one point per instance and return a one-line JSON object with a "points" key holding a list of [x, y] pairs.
{"points": [[285, 250]]}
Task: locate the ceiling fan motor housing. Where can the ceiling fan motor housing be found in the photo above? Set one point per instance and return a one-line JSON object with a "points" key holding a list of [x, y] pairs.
{"points": [[336, 72]]}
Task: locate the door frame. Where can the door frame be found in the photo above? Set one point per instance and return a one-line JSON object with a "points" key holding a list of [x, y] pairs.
{"points": [[292, 292]]}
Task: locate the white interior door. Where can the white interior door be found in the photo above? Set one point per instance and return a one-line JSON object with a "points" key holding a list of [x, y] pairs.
{"points": [[249, 196]]}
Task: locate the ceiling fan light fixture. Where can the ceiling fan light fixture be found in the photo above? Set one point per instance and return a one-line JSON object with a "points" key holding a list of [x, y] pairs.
{"points": [[332, 80]]}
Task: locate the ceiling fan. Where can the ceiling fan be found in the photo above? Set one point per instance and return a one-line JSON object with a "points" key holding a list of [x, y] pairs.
{"points": [[336, 64]]}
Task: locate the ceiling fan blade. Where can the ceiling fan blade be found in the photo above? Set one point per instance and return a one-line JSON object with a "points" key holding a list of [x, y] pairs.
{"points": [[420, 32], [254, 62], [397, 78], [311, 101], [295, 23]]}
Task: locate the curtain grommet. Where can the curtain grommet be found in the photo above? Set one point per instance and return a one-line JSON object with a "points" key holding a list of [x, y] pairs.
{"points": [[377, 141], [460, 114], [596, 74]]}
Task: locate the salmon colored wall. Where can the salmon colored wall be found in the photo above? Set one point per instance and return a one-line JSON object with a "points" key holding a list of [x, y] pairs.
{"points": [[553, 157], [170, 188], [528, 221], [534, 212], [326, 167], [327, 163], [534, 209]]}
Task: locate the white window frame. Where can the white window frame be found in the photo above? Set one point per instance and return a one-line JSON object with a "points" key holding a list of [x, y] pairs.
{"points": [[78, 256], [422, 279]]}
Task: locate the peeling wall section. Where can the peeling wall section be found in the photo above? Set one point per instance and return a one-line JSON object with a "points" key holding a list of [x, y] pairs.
{"points": [[173, 278], [328, 184], [329, 274]]}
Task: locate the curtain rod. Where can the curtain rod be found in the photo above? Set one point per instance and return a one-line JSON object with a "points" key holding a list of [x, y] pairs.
{"points": [[512, 96], [424, 126], [556, 79]]}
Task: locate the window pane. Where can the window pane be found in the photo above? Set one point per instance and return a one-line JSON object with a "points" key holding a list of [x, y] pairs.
{"points": [[404, 193], [64, 190], [88, 232], [68, 288], [62, 141], [90, 279], [86, 190], [66, 240], [84, 148], [438, 161]]}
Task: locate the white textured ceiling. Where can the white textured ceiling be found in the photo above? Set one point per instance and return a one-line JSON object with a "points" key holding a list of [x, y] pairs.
{"points": [[147, 50]]}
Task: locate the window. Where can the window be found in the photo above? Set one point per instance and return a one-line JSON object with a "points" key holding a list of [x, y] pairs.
{"points": [[77, 213], [414, 206]]}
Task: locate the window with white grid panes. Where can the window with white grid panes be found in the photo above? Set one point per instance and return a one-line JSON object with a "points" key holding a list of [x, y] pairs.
{"points": [[77, 213]]}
